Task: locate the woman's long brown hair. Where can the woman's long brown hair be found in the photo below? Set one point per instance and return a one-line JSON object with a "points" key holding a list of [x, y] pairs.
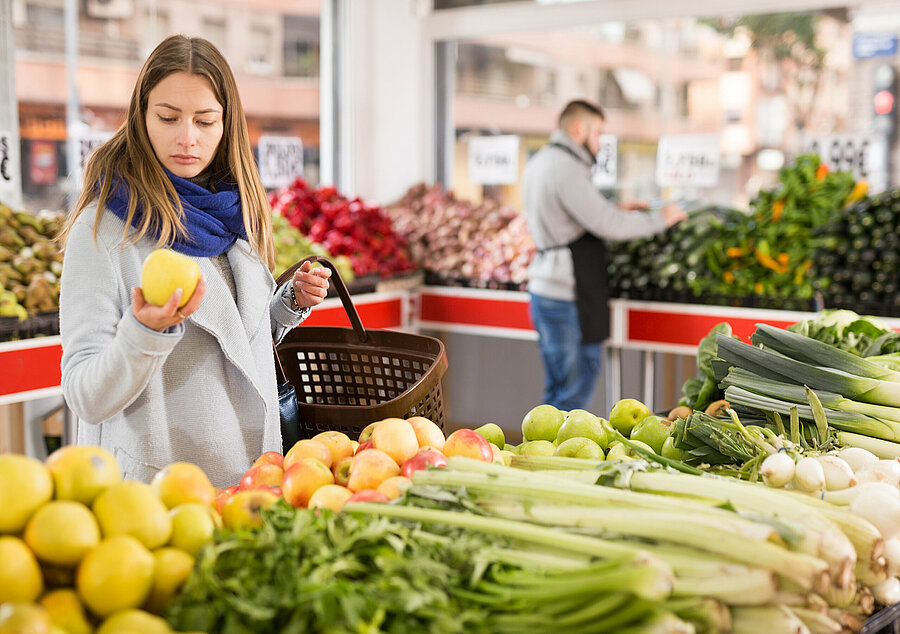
{"points": [[129, 157]]}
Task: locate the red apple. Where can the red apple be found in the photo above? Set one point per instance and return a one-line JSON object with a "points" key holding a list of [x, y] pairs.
{"points": [[223, 496], [368, 444], [341, 471], [370, 468], [468, 443], [367, 495], [422, 460], [270, 457], [427, 432], [396, 438], [264, 475], [302, 479]]}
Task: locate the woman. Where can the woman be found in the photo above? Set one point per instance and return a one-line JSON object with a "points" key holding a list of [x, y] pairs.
{"points": [[159, 384]]}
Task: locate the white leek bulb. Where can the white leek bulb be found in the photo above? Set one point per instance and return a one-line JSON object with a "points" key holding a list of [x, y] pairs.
{"points": [[880, 509], [809, 475], [838, 474], [857, 457]]}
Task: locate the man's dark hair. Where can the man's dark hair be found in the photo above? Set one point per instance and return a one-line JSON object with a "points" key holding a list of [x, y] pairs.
{"points": [[576, 109]]}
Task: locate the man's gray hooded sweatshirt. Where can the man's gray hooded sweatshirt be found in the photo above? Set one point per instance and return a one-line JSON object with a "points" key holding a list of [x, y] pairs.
{"points": [[561, 204]]}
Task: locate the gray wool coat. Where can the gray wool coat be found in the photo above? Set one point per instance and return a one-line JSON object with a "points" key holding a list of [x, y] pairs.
{"points": [[203, 392]]}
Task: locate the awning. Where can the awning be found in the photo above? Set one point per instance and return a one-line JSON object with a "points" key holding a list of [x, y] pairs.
{"points": [[636, 85]]}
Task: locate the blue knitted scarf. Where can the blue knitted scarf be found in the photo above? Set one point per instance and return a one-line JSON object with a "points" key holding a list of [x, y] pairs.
{"points": [[213, 221]]}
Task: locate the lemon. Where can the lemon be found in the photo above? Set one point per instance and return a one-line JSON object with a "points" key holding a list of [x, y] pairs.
{"points": [[133, 508], [25, 486], [173, 567], [542, 423], [193, 526], [81, 473], [24, 618], [134, 622], [66, 611], [62, 532], [116, 575], [20, 574]]}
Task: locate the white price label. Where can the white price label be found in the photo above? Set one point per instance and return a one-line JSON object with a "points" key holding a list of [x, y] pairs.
{"points": [[859, 154], [280, 160], [494, 160], [87, 144], [688, 160], [606, 168], [9, 163]]}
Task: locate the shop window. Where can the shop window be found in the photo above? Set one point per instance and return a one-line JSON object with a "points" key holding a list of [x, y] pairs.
{"points": [[214, 31], [259, 50], [301, 46]]}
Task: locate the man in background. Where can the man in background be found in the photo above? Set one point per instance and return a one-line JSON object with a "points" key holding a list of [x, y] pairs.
{"points": [[569, 220]]}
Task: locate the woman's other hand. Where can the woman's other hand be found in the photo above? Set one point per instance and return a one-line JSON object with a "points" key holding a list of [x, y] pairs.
{"points": [[311, 285], [163, 317]]}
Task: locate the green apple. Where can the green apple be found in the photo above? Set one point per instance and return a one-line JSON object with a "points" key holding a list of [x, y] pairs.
{"points": [[507, 456], [621, 451], [542, 423], [538, 448], [652, 430], [580, 423], [626, 414], [493, 434], [669, 450], [511, 448], [579, 448]]}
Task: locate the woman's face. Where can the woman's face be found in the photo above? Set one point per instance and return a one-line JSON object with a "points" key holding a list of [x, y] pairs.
{"points": [[184, 123]]}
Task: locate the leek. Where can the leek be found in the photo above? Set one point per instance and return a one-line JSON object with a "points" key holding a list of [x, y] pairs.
{"points": [[740, 377], [768, 363], [882, 448], [850, 421], [815, 352], [775, 619]]}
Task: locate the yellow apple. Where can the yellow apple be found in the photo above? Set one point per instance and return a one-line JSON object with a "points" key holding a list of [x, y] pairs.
{"points": [[242, 510], [427, 432], [370, 468], [394, 486], [304, 478], [182, 482], [308, 448], [396, 438], [337, 442], [164, 271], [330, 496]]}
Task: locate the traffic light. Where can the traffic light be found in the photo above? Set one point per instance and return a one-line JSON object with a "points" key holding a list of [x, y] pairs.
{"points": [[884, 100]]}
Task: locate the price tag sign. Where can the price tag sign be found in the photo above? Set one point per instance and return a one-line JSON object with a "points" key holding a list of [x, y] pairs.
{"points": [[688, 160], [9, 167], [280, 160], [87, 143], [494, 160], [606, 167], [847, 152]]}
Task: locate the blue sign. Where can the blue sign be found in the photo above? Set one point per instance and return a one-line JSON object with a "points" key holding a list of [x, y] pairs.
{"points": [[869, 45]]}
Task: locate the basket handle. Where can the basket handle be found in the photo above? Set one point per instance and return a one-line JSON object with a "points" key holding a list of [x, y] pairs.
{"points": [[339, 285]]}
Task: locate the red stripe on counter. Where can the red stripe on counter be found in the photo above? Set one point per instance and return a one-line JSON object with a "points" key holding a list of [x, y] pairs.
{"points": [[30, 369], [471, 311], [687, 330], [377, 315]]}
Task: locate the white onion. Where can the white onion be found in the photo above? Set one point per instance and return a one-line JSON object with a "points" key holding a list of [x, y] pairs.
{"points": [[777, 469], [892, 555], [888, 591], [882, 509], [809, 475], [845, 496], [857, 457], [838, 474], [887, 471]]}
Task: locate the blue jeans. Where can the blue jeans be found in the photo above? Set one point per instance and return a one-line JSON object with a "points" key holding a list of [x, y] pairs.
{"points": [[570, 367]]}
